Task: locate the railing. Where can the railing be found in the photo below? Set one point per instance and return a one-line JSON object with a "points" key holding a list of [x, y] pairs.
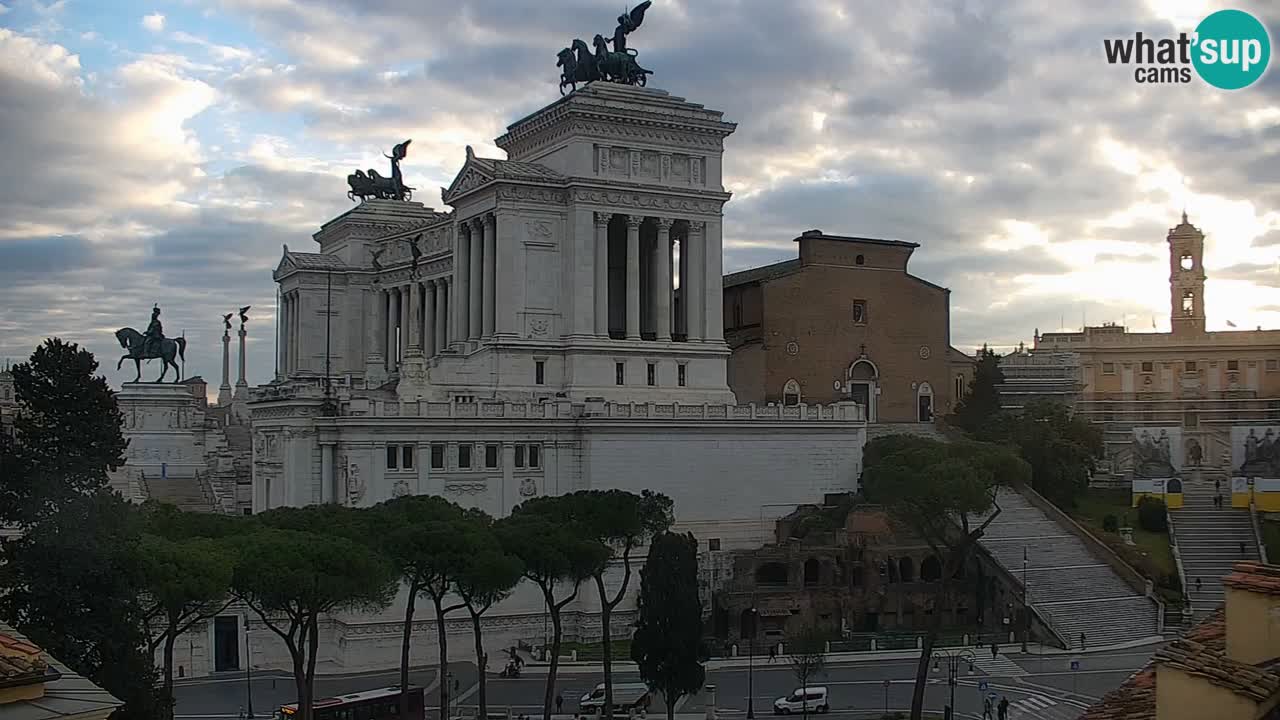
{"points": [[1177, 559], [846, 412], [1257, 530]]}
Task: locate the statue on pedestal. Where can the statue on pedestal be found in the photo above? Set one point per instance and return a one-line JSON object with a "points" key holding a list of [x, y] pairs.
{"points": [[152, 345], [579, 65]]}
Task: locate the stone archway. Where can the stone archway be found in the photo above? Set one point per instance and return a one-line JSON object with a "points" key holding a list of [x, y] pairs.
{"points": [[924, 403], [791, 393], [864, 381]]}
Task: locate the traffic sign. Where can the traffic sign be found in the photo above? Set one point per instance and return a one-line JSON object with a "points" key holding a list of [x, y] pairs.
{"points": [[982, 686], [1075, 665]]}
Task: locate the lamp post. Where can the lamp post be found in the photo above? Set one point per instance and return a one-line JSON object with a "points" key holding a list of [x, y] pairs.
{"points": [[751, 653], [1026, 613], [953, 658], [248, 670]]}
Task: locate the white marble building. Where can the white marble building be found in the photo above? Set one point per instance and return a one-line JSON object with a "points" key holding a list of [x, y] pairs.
{"points": [[562, 329]]}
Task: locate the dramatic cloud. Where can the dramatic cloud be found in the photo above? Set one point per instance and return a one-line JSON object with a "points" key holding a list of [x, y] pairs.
{"points": [[169, 161]]}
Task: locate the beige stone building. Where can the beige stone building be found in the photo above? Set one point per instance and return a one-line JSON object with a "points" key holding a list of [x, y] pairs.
{"points": [[844, 321], [1200, 381]]}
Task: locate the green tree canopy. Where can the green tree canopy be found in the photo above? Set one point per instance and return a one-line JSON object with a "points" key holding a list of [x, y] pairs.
{"points": [[946, 494], [1061, 447], [669, 631], [979, 410], [67, 433], [488, 576], [290, 578]]}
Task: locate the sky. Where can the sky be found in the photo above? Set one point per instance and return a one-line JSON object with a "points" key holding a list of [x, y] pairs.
{"points": [[163, 151]]}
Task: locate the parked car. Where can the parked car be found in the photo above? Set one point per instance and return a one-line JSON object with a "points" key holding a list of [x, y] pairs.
{"points": [[814, 698], [625, 697]]}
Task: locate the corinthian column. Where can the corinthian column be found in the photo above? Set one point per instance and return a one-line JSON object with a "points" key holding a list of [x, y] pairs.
{"points": [[633, 276], [224, 390], [461, 279], [442, 314], [694, 297], [662, 282], [414, 328], [429, 319], [490, 274], [475, 299], [602, 273]]}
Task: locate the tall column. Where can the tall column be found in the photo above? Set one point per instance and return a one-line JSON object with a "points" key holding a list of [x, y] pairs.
{"points": [[405, 304], [295, 344], [414, 327], [633, 276], [443, 330], [327, 485], [393, 318], [475, 286], [713, 331], [374, 327], [662, 282], [241, 384], [224, 390], [694, 296], [429, 344], [460, 283], [281, 346], [680, 323], [490, 288], [602, 273]]}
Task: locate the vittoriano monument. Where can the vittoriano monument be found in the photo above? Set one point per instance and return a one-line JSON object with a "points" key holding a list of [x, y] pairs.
{"points": [[374, 185], [581, 66], [152, 345]]}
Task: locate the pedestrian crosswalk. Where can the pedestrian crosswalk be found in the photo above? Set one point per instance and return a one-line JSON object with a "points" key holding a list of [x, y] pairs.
{"points": [[999, 666], [1041, 708]]}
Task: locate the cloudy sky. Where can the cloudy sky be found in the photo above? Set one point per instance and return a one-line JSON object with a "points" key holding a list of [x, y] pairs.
{"points": [[163, 150]]}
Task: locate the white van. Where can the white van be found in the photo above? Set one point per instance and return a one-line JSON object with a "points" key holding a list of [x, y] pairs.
{"points": [[625, 697], [814, 698]]}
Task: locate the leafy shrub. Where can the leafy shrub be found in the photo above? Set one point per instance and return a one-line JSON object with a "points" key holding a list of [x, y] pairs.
{"points": [[1151, 515], [1110, 524]]}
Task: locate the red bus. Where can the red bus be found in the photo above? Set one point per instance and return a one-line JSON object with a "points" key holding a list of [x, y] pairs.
{"points": [[380, 704]]}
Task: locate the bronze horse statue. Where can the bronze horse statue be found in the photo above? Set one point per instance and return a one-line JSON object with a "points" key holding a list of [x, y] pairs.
{"points": [[135, 343]]}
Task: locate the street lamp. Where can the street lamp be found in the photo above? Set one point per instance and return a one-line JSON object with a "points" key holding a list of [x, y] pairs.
{"points": [[248, 670], [953, 658], [751, 653]]}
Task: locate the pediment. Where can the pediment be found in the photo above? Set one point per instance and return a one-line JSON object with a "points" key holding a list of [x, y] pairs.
{"points": [[286, 263], [474, 173]]}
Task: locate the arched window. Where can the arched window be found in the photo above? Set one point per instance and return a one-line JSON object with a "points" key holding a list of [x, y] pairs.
{"points": [[812, 571], [859, 260], [906, 569], [930, 569], [791, 393], [771, 573], [924, 402], [959, 388]]}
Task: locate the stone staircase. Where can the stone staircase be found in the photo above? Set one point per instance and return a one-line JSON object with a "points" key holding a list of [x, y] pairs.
{"points": [[1074, 591], [185, 492], [1209, 541]]}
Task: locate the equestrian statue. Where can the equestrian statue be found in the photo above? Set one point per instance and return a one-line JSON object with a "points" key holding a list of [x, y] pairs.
{"points": [[373, 185], [580, 65], [152, 345]]}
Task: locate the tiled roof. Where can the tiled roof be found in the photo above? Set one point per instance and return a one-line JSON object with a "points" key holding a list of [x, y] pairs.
{"points": [[1135, 699], [516, 170], [765, 272], [1254, 577], [20, 660], [316, 261], [66, 694]]}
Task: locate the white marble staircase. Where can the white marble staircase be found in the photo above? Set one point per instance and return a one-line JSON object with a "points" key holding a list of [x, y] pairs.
{"points": [[1072, 589], [186, 492], [1210, 541]]}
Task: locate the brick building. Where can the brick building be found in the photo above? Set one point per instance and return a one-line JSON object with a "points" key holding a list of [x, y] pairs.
{"points": [[844, 321]]}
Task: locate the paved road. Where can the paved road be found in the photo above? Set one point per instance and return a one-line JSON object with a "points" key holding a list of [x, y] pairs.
{"points": [[1040, 688]]}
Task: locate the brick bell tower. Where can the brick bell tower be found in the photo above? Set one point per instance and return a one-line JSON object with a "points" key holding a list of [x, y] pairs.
{"points": [[1186, 278]]}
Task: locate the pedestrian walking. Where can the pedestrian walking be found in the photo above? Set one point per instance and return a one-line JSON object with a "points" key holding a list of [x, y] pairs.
{"points": [[1242, 550], [1217, 484], [559, 702], [1198, 584], [995, 650], [1003, 709], [986, 709], [773, 653], [1082, 641]]}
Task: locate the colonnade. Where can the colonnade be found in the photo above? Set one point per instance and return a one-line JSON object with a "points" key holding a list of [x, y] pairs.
{"points": [[411, 318]]}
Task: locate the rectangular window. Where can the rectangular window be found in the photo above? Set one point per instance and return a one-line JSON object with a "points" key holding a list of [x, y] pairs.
{"points": [[1108, 368], [247, 511], [540, 373], [519, 456], [534, 459], [859, 312], [680, 374], [1273, 365], [1191, 366], [464, 456], [393, 455], [713, 544], [437, 456], [406, 457], [491, 456], [1233, 365], [1148, 366], [651, 374], [618, 373]]}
